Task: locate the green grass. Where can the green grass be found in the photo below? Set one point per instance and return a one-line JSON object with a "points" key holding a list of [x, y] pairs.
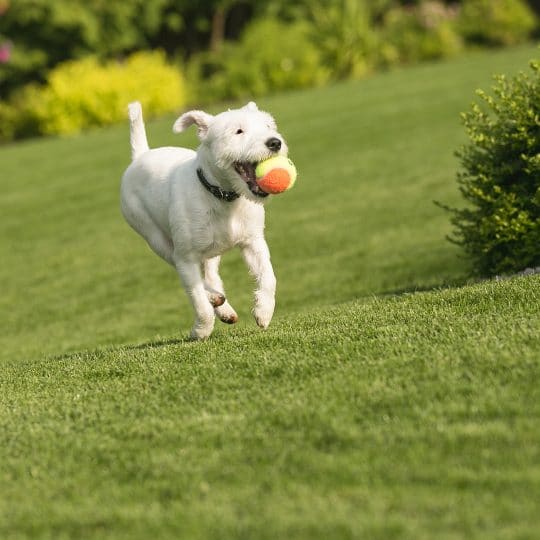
{"points": [[367, 410]]}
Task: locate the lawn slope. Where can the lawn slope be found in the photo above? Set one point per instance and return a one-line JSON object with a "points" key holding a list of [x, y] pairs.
{"points": [[372, 156], [390, 398], [413, 416]]}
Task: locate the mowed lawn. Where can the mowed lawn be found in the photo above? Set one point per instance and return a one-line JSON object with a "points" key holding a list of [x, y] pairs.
{"points": [[390, 398]]}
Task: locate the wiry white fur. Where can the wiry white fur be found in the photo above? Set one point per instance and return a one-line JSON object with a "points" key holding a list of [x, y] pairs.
{"points": [[163, 200]]}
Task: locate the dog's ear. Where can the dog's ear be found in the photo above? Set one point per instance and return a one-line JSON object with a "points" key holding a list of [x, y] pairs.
{"points": [[251, 106], [201, 119]]}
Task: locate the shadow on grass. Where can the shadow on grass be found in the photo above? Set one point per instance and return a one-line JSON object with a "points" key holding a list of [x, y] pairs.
{"points": [[96, 353], [461, 281]]}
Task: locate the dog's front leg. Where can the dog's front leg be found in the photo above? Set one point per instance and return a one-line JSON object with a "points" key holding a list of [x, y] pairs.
{"points": [[191, 278], [257, 257]]}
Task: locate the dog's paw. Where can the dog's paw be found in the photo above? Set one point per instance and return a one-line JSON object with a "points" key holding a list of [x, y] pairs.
{"points": [[216, 299], [197, 335], [263, 315], [226, 313], [201, 330]]}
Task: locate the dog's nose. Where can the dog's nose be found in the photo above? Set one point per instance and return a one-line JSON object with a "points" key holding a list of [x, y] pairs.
{"points": [[273, 144]]}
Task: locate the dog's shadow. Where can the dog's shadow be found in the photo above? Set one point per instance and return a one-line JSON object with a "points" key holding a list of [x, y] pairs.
{"points": [[101, 352]]}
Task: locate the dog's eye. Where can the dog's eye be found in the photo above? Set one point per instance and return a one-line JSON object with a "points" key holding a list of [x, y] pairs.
{"points": [[239, 131]]}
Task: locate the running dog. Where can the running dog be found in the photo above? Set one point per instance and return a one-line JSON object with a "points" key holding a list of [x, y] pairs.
{"points": [[192, 206]]}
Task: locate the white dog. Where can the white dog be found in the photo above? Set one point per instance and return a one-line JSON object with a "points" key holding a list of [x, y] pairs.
{"points": [[193, 206]]}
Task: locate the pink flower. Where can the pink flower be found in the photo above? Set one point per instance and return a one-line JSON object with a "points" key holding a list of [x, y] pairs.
{"points": [[5, 52]]}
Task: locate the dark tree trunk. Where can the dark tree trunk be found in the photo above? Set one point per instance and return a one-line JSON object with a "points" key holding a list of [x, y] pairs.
{"points": [[218, 29]]}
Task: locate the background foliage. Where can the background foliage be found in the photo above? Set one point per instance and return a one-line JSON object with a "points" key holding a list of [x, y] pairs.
{"points": [[232, 48], [46, 33], [270, 55], [505, 22], [426, 31]]}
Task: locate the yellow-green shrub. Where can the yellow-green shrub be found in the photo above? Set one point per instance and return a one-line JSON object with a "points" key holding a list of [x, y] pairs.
{"points": [[497, 22], [85, 93]]}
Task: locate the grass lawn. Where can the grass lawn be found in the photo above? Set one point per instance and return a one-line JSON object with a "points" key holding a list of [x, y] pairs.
{"points": [[389, 398]]}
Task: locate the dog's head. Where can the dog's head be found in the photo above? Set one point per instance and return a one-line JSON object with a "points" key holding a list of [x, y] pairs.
{"points": [[233, 143]]}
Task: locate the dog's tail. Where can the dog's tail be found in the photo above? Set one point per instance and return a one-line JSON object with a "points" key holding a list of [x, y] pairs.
{"points": [[137, 133]]}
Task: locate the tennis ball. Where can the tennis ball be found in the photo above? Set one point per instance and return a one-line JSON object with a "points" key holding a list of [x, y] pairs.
{"points": [[276, 174]]}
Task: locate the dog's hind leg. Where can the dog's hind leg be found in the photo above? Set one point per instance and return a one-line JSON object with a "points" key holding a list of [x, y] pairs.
{"points": [[161, 244], [158, 241], [138, 217], [191, 277], [214, 286]]}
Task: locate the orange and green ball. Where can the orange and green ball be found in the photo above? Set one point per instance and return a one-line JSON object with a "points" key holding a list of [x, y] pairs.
{"points": [[276, 174]]}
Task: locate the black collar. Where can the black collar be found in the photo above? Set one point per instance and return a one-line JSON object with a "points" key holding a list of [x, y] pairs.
{"points": [[216, 191]]}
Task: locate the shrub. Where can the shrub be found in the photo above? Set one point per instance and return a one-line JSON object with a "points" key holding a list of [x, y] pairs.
{"points": [[344, 33], [496, 22], [500, 177], [423, 32], [270, 56], [84, 93]]}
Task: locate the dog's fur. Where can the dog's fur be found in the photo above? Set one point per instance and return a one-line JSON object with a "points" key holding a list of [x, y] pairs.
{"points": [[164, 201]]}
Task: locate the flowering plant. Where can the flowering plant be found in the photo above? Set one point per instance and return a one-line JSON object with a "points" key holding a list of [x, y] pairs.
{"points": [[5, 46]]}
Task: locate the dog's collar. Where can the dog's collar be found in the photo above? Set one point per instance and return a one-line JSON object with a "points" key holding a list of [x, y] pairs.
{"points": [[216, 191]]}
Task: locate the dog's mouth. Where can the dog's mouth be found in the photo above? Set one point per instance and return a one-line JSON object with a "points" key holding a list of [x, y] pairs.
{"points": [[246, 171]]}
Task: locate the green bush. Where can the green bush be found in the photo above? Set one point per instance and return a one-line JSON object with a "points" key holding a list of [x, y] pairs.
{"points": [[344, 33], [496, 22], [423, 32], [270, 56], [84, 93], [500, 177]]}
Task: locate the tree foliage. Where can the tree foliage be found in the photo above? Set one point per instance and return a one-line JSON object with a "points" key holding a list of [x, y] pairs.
{"points": [[234, 48], [46, 33]]}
